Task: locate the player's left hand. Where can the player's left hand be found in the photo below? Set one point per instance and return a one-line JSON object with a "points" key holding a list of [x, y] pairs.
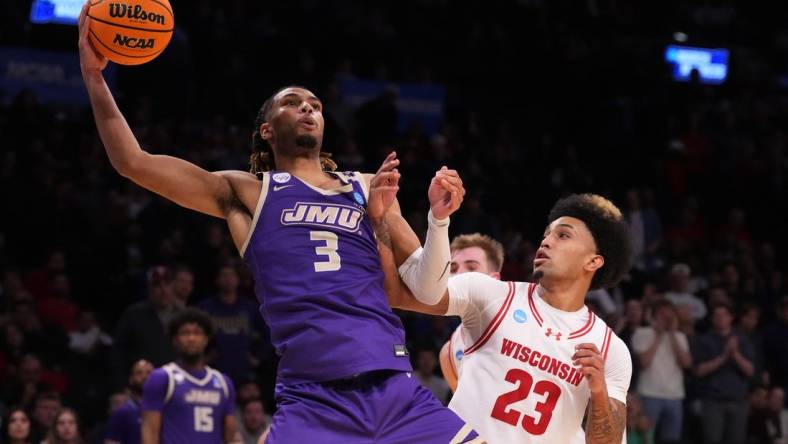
{"points": [[592, 365], [383, 187], [446, 193]]}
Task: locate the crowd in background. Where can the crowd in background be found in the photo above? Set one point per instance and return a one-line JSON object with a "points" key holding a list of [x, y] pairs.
{"points": [[543, 98]]}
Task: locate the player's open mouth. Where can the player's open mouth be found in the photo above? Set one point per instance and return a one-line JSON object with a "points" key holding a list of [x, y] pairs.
{"points": [[307, 122], [540, 258]]}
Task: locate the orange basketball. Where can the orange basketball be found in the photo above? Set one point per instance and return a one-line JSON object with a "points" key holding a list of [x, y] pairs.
{"points": [[130, 32]]}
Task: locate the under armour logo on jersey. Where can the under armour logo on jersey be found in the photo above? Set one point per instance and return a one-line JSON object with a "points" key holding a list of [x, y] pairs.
{"points": [[549, 333]]}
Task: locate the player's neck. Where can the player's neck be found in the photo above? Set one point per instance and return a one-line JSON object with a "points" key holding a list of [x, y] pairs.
{"points": [[192, 367], [306, 167], [563, 295]]}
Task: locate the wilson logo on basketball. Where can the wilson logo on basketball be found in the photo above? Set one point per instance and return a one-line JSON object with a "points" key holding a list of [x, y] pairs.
{"points": [[134, 13], [132, 42]]}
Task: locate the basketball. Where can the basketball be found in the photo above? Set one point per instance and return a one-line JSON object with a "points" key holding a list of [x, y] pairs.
{"points": [[130, 32]]}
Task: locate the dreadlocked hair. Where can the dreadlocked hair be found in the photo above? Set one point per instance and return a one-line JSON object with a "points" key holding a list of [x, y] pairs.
{"points": [[607, 227], [262, 158]]}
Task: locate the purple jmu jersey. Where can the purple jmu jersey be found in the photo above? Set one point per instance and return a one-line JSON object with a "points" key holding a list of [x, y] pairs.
{"points": [[125, 424], [318, 279], [193, 406]]}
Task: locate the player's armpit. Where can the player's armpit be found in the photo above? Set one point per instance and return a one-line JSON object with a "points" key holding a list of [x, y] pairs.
{"points": [[606, 425], [447, 366]]}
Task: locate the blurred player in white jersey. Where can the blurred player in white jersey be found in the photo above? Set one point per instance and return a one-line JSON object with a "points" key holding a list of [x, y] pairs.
{"points": [[536, 358], [469, 252]]}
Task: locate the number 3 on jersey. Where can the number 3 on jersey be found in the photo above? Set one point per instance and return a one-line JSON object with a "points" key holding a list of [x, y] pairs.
{"points": [[534, 426], [329, 249]]}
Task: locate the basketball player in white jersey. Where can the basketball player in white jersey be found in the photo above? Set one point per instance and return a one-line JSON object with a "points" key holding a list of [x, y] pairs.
{"points": [[469, 252], [538, 359]]}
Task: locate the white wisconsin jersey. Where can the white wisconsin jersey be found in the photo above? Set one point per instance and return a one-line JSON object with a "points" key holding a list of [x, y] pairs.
{"points": [[518, 383]]}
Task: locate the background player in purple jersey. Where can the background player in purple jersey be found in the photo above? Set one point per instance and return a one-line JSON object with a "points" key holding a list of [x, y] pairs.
{"points": [[125, 423], [187, 402], [306, 234]]}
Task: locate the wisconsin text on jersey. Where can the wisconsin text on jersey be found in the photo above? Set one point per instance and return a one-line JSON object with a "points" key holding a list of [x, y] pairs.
{"points": [[541, 361]]}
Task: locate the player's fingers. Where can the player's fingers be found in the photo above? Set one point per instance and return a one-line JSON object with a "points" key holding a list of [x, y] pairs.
{"points": [[448, 172], [588, 362], [384, 177], [587, 346], [453, 179], [82, 14], [391, 156], [388, 165], [584, 353]]}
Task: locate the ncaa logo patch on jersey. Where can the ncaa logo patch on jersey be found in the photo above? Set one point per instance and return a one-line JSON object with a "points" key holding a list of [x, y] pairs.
{"points": [[281, 177], [216, 383], [519, 316], [459, 354], [178, 378], [359, 198]]}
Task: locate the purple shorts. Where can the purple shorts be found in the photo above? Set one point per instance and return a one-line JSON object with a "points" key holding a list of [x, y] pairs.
{"points": [[389, 407]]}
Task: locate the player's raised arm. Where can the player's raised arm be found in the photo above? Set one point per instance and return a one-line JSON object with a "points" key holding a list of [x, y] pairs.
{"points": [[176, 179], [424, 271]]}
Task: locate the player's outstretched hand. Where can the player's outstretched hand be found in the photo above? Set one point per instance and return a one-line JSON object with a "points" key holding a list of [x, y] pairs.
{"points": [[89, 58], [383, 187], [592, 365], [446, 193]]}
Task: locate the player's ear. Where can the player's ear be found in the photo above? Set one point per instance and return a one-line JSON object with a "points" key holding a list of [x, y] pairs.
{"points": [[595, 263], [266, 132]]}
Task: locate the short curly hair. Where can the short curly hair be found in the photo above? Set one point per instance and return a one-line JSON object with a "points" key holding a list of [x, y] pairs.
{"points": [[609, 230], [191, 316]]}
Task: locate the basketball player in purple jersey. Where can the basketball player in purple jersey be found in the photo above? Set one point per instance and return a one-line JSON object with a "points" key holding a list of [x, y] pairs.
{"points": [[124, 424], [187, 402], [306, 234]]}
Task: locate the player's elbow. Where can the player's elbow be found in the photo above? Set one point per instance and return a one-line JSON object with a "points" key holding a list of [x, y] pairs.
{"points": [[129, 166]]}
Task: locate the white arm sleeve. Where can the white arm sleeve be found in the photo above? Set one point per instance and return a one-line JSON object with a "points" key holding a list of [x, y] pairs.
{"points": [[426, 271]]}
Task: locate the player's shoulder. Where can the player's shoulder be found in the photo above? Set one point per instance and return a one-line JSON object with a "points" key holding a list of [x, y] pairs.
{"points": [[237, 175], [617, 350]]}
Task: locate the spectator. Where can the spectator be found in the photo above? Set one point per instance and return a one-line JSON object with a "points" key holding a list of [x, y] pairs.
{"points": [[99, 430], [141, 331], [748, 326], [777, 424], [426, 363], [237, 345], [758, 415], [775, 346], [645, 228], [16, 427], [639, 427], [87, 336], [58, 308], [183, 285], [27, 384], [45, 408], [254, 420], [723, 365], [679, 291], [663, 352], [65, 429]]}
